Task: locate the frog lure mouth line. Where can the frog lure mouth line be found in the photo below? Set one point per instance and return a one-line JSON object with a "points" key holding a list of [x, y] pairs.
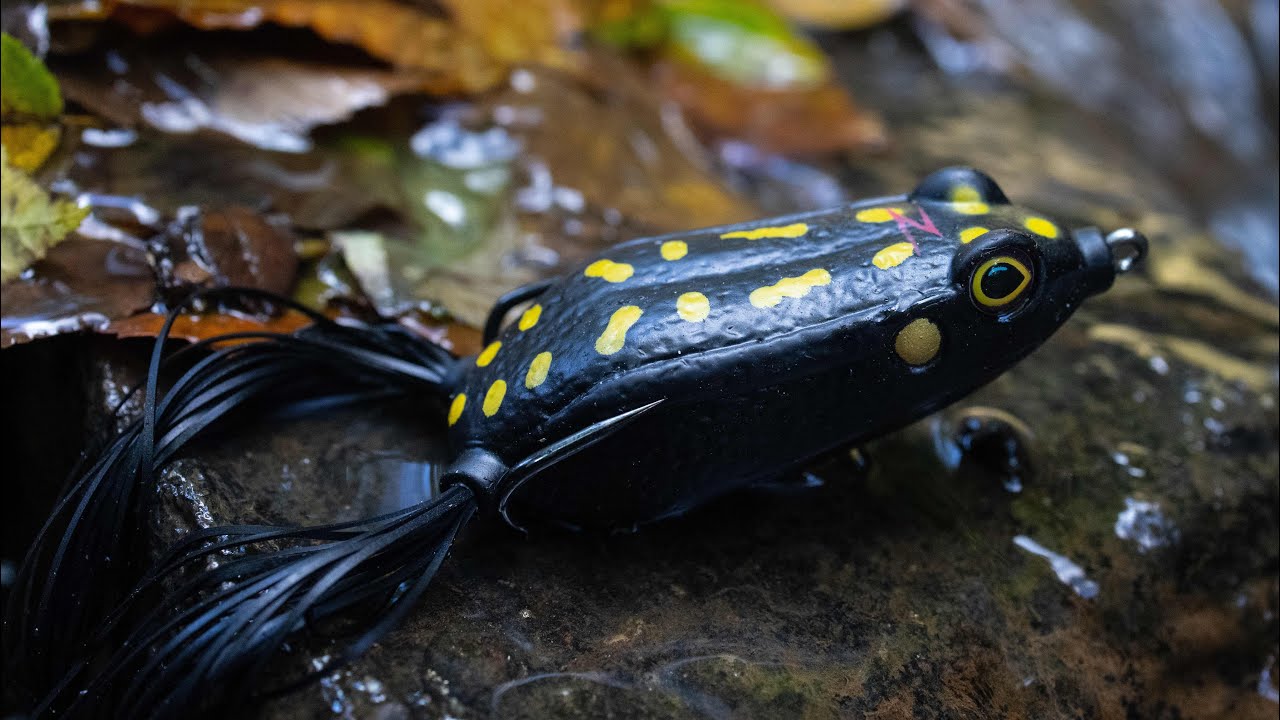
{"points": [[664, 373]]}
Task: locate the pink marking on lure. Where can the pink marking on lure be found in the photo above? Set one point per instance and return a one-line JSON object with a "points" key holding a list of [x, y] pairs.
{"points": [[905, 224]]}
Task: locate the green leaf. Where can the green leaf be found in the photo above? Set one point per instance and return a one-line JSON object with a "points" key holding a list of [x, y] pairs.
{"points": [[745, 42], [630, 26], [27, 87], [31, 221]]}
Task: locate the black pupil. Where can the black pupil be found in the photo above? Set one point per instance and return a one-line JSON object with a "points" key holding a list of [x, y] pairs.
{"points": [[1000, 280]]}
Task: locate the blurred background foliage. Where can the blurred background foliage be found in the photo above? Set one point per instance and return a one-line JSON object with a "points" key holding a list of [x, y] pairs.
{"points": [[418, 158]]}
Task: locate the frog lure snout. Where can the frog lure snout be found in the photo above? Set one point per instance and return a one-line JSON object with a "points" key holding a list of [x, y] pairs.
{"points": [[661, 374]]}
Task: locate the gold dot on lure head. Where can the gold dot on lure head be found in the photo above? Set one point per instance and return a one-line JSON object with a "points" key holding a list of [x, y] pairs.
{"points": [[1041, 227], [965, 194], [918, 342]]}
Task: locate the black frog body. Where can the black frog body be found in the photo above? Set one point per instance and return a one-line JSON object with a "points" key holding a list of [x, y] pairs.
{"points": [[744, 350]]}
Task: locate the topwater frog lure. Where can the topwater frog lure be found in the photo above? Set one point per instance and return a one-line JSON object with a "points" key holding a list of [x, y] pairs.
{"points": [[666, 372]]}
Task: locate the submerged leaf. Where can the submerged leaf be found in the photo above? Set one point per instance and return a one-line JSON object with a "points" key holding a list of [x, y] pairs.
{"points": [[82, 284], [30, 220], [28, 88], [263, 100]]}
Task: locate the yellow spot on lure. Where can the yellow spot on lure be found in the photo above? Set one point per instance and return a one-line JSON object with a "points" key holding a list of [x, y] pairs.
{"points": [[674, 249], [693, 306], [614, 272], [488, 354], [529, 318], [615, 332], [893, 255], [538, 369], [618, 399], [792, 287], [794, 230]]}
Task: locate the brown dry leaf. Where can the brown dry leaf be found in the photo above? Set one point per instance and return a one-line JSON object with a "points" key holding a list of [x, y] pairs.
{"points": [[814, 120], [468, 48], [196, 327], [458, 338]]}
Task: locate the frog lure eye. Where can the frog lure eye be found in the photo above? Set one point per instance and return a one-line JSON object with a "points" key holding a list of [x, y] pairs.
{"points": [[657, 376]]}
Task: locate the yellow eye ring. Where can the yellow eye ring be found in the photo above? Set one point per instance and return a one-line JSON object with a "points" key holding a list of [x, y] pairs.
{"points": [[991, 276]]}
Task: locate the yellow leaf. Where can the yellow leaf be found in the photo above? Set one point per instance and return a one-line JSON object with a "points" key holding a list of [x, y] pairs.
{"points": [[31, 221], [29, 144]]}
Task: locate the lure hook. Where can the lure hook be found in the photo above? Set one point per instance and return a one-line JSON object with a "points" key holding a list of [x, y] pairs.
{"points": [[1128, 246]]}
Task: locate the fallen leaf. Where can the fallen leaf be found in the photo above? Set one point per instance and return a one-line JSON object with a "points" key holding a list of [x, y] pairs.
{"points": [[744, 42], [27, 88], [31, 222], [839, 14], [461, 339], [608, 155], [30, 104], [329, 187], [29, 143], [263, 100], [233, 246], [740, 70], [462, 45], [81, 284], [811, 120], [195, 327]]}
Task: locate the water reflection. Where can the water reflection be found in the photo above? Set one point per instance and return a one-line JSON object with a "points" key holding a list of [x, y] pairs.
{"points": [[1144, 523], [387, 481], [1071, 574]]}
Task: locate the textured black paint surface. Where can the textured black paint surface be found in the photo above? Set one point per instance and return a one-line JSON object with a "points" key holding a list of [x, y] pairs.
{"points": [[752, 390]]}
